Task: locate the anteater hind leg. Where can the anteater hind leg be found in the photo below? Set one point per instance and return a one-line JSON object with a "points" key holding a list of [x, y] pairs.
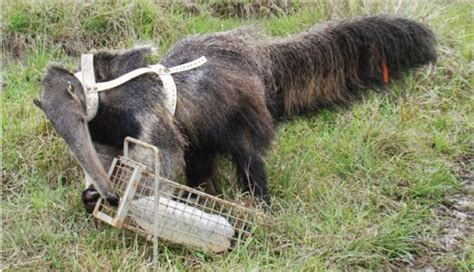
{"points": [[250, 169]]}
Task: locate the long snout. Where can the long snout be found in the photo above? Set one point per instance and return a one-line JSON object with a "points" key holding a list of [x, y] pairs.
{"points": [[78, 139]]}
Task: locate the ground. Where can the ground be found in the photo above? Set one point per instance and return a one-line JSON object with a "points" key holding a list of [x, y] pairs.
{"points": [[384, 184]]}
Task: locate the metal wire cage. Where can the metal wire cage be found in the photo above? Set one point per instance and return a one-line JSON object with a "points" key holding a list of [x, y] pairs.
{"points": [[155, 207]]}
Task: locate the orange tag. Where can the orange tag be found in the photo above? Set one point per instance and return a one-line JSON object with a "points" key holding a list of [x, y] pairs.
{"points": [[384, 73]]}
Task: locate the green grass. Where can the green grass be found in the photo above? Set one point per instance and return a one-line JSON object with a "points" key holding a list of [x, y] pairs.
{"points": [[352, 188]]}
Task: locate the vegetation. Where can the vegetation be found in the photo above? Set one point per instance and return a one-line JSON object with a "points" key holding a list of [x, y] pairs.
{"points": [[360, 187]]}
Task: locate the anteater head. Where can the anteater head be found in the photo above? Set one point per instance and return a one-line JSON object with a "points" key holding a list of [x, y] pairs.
{"points": [[63, 101]]}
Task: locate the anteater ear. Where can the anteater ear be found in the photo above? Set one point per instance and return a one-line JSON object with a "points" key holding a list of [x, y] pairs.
{"points": [[37, 103]]}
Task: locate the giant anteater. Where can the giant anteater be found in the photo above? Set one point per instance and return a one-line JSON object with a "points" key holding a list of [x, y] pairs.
{"points": [[231, 104]]}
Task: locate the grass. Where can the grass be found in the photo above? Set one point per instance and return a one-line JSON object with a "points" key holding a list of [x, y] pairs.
{"points": [[352, 188]]}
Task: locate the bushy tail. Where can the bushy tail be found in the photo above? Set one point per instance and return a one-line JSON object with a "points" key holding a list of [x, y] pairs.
{"points": [[332, 63]]}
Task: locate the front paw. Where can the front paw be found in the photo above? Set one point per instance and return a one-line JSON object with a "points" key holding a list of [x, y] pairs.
{"points": [[90, 196]]}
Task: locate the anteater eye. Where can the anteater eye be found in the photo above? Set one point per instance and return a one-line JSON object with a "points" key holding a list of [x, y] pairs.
{"points": [[70, 86]]}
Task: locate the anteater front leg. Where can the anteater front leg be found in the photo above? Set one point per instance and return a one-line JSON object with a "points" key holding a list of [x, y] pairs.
{"points": [[200, 169]]}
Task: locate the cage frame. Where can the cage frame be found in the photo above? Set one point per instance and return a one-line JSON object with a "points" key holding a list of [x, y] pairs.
{"points": [[238, 223], [124, 205]]}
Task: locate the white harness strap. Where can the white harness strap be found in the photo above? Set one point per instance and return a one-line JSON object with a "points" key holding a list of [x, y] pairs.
{"points": [[87, 78], [170, 88], [91, 88]]}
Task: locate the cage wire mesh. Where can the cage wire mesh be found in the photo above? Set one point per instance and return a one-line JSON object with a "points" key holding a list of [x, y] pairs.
{"points": [[153, 206]]}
